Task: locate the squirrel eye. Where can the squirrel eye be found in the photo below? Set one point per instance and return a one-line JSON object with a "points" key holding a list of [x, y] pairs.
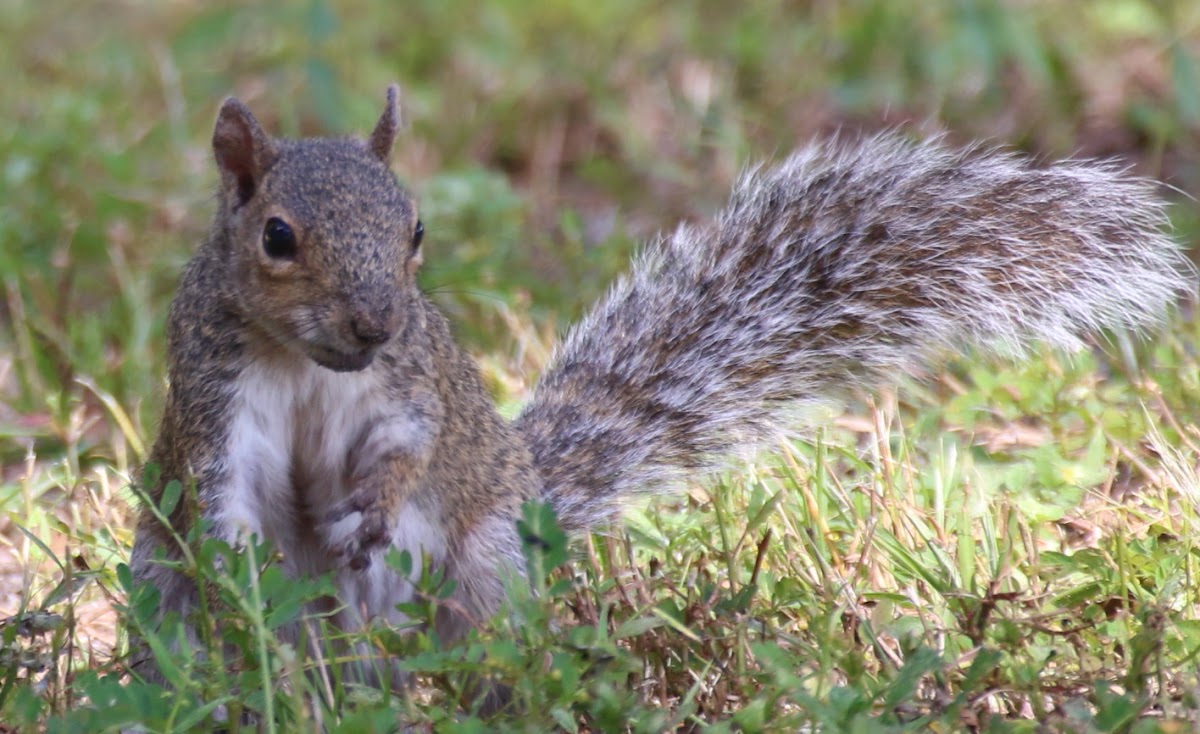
{"points": [[279, 241], [418, 234]]}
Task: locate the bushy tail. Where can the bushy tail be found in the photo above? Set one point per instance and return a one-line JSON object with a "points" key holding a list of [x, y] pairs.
{"points": [[844, 266]]}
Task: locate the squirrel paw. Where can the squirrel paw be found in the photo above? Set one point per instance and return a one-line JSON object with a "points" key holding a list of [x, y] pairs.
{"points": [[354, 528]]}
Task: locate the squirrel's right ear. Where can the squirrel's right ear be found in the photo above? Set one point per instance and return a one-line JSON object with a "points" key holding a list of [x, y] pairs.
{"points": [[243, 150]]}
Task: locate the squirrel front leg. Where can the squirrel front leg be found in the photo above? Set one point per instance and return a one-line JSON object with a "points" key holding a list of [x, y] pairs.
{"points": [[386, 468]]}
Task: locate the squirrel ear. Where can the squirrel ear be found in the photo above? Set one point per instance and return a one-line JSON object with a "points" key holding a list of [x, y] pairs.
{"points": [[243, 150], [384, 134]]}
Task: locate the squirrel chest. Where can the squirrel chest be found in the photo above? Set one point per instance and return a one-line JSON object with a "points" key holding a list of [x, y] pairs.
{"points": [[302, 437]]}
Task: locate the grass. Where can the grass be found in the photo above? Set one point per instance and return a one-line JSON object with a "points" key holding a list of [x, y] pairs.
{"points": [[996, 547]]}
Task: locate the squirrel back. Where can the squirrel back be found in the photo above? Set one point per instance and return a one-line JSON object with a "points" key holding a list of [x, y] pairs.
{"points": [[843, 267]]}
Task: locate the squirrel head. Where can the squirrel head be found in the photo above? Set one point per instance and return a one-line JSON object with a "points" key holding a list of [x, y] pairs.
{"points": [[321, 241]]}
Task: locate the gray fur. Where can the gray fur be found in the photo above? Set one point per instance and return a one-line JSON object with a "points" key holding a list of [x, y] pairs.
{"points": [[845, 266]]}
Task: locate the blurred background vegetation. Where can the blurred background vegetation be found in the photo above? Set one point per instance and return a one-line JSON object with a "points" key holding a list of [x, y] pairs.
{"points": [[546, 140]]}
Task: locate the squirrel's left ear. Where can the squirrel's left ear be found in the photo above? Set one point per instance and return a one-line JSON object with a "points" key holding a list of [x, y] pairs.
{"points": [[384, 134]]}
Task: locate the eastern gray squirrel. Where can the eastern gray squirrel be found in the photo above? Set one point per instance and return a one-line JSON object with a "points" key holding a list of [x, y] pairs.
{"points": [[318, 400]]}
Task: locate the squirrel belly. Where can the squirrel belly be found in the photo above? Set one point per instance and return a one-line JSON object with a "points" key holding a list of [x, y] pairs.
{"points": [[843, 267], [301, 438]]}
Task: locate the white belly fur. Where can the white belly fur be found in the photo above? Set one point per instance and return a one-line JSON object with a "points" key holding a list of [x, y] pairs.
{"points": [[303, 422]]}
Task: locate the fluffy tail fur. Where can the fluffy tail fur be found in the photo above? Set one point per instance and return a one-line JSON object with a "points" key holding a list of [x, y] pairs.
{"points": [[844, 266]]}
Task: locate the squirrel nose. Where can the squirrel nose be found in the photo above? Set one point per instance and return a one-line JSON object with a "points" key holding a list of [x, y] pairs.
{"points": [[371, 332], [374, 324]]}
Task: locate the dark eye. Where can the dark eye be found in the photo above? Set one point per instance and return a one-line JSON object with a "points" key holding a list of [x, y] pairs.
{"points": [[418, 234], [279, 241]]}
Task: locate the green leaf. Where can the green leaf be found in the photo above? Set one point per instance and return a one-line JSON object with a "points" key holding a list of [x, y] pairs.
{"points": [[544, 541], [171, 493]]}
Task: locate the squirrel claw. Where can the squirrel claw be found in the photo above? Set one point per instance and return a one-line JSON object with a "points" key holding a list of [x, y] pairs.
{"points": [[353, 530]]}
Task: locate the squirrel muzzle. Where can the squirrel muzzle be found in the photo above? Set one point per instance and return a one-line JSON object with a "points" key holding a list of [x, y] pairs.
{"points": [[372, 319]]}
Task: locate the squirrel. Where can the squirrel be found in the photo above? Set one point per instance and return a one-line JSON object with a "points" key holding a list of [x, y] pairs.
{"points": [[317, 399]]}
